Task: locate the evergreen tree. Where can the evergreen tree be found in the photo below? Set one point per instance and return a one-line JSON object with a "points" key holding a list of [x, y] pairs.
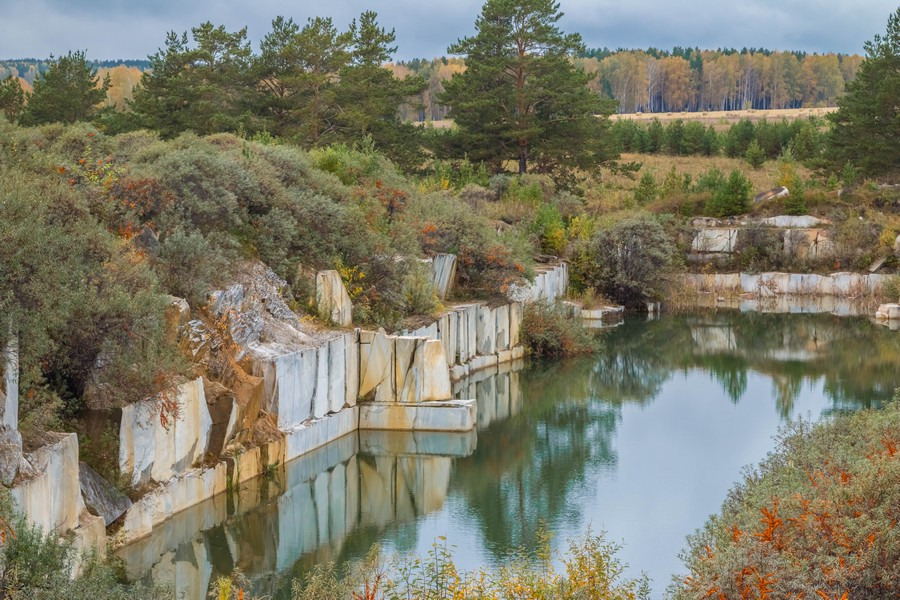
{"points": [[369, 96], [66, 92], [866, 128], [204, 88], [755, 155], [521, 97], [299, 71], [12, 99]]}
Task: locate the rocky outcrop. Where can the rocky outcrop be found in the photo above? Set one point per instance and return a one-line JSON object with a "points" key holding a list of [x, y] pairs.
{"points": [[443, 274], [794, 284], [164, 436], [332, 299], [799, 237]]}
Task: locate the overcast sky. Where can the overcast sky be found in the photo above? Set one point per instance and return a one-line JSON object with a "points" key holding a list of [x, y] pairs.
{"points": [[110, 29]]}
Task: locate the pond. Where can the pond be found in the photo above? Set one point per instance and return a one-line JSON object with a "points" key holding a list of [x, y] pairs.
{"points": [[642, 440]]}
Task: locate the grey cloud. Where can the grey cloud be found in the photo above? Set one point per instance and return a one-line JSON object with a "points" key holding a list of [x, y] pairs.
{"points": [[133, 29]]}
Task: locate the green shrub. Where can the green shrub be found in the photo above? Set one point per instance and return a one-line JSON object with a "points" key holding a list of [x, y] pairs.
{"points": [[646, 191], [629, 261], [34, 566], [590, 570], [817, 518], [548, 330], [755, 155], [189, 266], [731, 197]]}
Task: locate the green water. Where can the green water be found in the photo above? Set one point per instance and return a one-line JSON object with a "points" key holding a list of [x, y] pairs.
{"points": [[642, 440]]}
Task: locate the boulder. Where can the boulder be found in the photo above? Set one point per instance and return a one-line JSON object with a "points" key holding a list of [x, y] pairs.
{"points": [[443, 274], [773, 194], [332, 299], [100, 497]]}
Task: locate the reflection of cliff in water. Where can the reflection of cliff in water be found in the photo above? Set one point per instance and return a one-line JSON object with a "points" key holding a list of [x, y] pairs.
{"points": [[527, 465], [858, 361], [331, 505]]}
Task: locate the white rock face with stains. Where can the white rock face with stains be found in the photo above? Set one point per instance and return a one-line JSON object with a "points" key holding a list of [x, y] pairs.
{"points": [[550, 283], [332, 299], [443, 274], [52, 499], [156, 445], [715, 240]]}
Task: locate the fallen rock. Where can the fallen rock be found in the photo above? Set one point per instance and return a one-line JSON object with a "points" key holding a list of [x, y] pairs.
{"points": [[443, 274], [773, 194], [100, 497]]}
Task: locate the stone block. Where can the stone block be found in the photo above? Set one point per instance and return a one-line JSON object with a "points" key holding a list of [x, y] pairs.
{"points": [[486, 334], [332, 299], [88, 539], [157, 446], [320, 404], [501, 316], [518, 352], [435, 373], [100, 496], [504, 356], [451, 415], [516, 314], [314, 434], [376, 364], [337, 374], [351, 362], [290, 383], [9, 385], [482, 362], [718, 240], [51, 500], [888, 312], [409, 361], [443, 274]]}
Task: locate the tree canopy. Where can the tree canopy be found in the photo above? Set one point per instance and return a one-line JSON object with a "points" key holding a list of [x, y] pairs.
{"points": [[67, 92], [866, 128], [521, 97]]}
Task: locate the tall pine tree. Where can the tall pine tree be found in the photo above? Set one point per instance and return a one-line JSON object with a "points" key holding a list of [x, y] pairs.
{"points": [[866, 129], [521, 97], [66, 92], [205, 88]]}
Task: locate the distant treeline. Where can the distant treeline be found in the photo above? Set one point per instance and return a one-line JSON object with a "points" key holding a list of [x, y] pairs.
{"points": [[802, 137], [683, 79], [28, 68]]}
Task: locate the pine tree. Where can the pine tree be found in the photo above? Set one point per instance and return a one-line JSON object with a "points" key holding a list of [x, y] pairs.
{"points": [[369, 96], [866, 128], [299, 70], [204, 88], [521, 97], [66, 92], [12, 99]]}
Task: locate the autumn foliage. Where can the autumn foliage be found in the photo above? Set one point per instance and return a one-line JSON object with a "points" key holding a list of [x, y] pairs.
{"points": [[818, 520]]}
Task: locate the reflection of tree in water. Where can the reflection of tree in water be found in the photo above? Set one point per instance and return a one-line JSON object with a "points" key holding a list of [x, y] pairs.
{"points": [[859, 361], [525, 468]]}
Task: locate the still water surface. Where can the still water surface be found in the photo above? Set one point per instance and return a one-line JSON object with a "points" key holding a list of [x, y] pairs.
{"points": [[642, 441]]}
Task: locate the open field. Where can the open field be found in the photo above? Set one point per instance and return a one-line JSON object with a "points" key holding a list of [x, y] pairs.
{"points": [[720, 119]]}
